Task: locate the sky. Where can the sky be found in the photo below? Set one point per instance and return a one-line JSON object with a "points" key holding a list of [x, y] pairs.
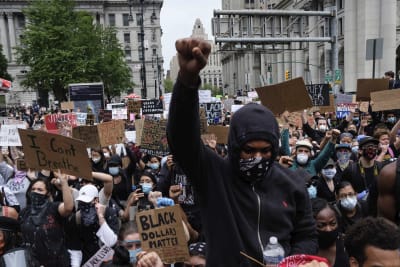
{"points": [[177, 20]]}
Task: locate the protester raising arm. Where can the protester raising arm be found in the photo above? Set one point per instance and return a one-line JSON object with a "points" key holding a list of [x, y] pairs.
{"points": [[65, 208], [107, 183], [185, 142]]}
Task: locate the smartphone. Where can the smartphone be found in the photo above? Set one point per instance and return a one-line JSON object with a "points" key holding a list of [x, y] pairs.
{"points": [[136, 187]]}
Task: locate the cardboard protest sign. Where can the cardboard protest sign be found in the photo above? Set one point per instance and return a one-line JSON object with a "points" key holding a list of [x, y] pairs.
{"points": [[330, 107], [112, 132], [9, 134], [81, 118], [105, 115], [67, 105], [60, 123], [319, 94], [139, 130], [213, 112], [344, 110], [130, 136], [52, 152], [366, 86], [21, 165], [343, 99], [103, 254], [291, 96], [153, 106], [89, 134], [134, 106], [154, 138], [252, 94], [203, 120], [161, 230], [221, 132], [204, 96], [385, 100], [227, 103]]}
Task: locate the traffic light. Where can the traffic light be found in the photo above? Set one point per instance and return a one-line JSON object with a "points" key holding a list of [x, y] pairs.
{"points": [[287, 75]]}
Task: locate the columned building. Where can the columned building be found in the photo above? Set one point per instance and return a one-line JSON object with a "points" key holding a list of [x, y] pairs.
{"points": [[211, 74], [341, 63], [125, 16]]}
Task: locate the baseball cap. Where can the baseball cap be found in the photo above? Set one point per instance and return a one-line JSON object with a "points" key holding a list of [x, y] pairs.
{"points": [[87, 193], [304, 143]]}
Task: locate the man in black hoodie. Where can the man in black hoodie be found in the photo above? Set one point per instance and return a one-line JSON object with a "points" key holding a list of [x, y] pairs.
{"points": [[248, 197]]}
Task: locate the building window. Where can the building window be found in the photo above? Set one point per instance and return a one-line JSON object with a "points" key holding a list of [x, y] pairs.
{"points": [[249, 1], [322, 31], [127, 38], [215, 82], [21, 21], [140, 53], [138, 19], [154, 52], [111, 19], [153, 35], [340, 26], [128, 53], [125, 19], [340, 4]]}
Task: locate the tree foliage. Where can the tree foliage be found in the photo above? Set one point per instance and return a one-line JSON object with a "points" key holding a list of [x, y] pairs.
{"points": [[3, 66], [168, 85], [62, 46], [214, 89]]}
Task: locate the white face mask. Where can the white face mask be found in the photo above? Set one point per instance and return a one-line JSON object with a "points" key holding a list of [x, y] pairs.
{"points": [[348, 203], [329, 173], [322, 128], [106, 154], [302, 158]]}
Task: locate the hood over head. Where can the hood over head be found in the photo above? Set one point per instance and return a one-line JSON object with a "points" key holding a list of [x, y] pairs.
{"points": [[252, 122]]}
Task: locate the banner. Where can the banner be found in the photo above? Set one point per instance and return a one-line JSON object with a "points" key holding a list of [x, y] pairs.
{"points": [[213, 112], [154, 138], [9, 134], [81, 118], [161, 230], [344, 110], [153, 106], [61, 124], [52, 152], [319, 94]]}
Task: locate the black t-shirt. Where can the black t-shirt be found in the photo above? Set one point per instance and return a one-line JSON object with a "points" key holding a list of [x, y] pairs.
{"points": [[44, 233]]}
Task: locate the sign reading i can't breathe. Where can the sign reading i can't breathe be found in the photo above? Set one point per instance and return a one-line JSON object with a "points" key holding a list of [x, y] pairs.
{"points": [[161, 230], [51, 152]]}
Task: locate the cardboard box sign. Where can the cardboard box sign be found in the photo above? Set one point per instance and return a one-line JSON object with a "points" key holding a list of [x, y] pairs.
{"points": [[103, 134], [67, 105], [291, 96], [366, 86], [385, 100], [161, 230], [52, 152], [154, 138], [221, 132]]}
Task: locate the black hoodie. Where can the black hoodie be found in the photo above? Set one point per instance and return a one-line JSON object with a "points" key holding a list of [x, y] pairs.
{"points": [[239, 216]]}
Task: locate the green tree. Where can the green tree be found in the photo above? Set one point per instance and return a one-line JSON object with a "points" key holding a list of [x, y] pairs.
{"points": [[3, 66], [62, 46], [168, 85], [214, 89]]}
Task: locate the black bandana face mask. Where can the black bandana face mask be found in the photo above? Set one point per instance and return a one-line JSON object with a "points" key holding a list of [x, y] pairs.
{"points": [[253, 169], [38, 200], [88, 213]]}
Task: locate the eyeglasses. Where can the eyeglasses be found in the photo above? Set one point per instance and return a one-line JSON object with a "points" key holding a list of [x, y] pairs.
{"points": [[253, 150], [197, 265]]}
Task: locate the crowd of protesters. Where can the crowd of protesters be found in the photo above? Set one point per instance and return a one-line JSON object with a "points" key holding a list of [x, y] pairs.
{"points": [[317, 188]]}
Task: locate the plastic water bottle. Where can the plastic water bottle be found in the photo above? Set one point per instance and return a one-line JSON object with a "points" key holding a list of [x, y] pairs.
{"points": [[273, 252]]}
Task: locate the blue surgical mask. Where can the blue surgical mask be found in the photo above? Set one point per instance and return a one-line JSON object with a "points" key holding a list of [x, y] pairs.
{"points": [[312, 191], [132, 255], [354, 149], [146, 187], [392, 120], [113, 170], [154, 166]]}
